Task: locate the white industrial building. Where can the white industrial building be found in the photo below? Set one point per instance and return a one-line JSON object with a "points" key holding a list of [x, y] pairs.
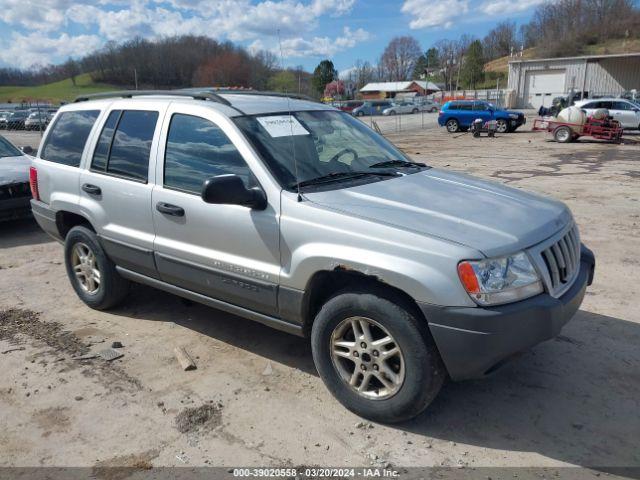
{"points": [[536, 82]]}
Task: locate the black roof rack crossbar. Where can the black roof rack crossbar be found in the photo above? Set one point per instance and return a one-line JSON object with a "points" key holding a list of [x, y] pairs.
{"points": [[231, 91], [199, 95]]}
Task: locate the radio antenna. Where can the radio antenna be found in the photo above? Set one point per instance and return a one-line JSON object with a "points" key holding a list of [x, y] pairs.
{"points": [[293, 144]]}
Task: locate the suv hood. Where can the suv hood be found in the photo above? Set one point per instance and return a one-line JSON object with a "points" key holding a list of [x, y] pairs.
{"points": [[14, 169], [483, 215]]}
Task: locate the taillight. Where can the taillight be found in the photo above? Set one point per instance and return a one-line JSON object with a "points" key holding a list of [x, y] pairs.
{"points": [[33, 183]]}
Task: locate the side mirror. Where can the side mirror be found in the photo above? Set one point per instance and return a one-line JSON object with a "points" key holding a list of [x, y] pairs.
{"points": [[230, 190], [27, 149]]}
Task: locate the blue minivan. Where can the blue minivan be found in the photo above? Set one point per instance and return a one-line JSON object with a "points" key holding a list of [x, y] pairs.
{"points": [[458, 115]]}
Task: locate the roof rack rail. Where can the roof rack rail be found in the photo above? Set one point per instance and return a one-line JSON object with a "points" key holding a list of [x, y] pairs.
{"points": [[197, 95], [232, 91]]}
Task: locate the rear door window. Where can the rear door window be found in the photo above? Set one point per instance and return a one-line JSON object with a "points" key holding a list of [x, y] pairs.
{"points": [[620, 106], [68, 135], [101, 153], [124, 145]]}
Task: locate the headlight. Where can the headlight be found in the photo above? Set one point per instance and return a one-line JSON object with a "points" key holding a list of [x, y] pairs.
{"points": [[513, 115], [500, 280]]}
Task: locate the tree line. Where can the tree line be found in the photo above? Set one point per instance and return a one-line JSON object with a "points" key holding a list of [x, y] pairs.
{"points": [[560, 28]]}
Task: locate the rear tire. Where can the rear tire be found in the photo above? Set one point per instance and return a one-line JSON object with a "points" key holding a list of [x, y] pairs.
{"points": [[102, 290], [452, 125], [563, 134], [414, 111], [389, 386]]}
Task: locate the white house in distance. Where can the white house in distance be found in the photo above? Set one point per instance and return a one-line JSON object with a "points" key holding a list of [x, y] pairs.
{"points": [[410, 88]]}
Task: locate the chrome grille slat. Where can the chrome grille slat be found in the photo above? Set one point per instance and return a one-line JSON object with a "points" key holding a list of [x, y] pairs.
{"points": [[553, 267], [562, 261], [565, 253], [569, 245]]}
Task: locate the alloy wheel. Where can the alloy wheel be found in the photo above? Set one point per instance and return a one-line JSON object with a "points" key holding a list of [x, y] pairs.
{"points": [[367, 358], [85, 267]]}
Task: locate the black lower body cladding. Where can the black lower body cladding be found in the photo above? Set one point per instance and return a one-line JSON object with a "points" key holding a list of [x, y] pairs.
{"points": [[474, 340]]}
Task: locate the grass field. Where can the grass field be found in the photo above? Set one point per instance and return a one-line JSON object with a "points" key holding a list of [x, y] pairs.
{"points": [[56, 92]]}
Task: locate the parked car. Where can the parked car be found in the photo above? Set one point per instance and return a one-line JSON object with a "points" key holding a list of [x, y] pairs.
{"points": [[38, 120], [427, 105], [624, 111], [349, 105], [4, 119], [371, 107], [397, 108], [15, 120], [409, 107], [15, 193], [459, 114], [296, 215]]}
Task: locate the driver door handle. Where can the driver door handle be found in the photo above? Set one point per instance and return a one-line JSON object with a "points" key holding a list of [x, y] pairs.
{"points": [[91, 189], [169, 209]]}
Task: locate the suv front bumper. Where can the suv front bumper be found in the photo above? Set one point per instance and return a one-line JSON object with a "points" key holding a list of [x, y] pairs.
{"points": [[473, 341]]}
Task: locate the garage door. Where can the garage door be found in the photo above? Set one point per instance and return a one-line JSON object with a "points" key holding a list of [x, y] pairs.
{"points": [[541, 87]]}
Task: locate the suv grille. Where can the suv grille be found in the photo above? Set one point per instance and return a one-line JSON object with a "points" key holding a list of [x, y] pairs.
{"points": [[15, 190], [562, 260]]}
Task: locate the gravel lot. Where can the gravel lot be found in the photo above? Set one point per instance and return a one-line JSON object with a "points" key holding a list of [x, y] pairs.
{"points": [[255, 398]]}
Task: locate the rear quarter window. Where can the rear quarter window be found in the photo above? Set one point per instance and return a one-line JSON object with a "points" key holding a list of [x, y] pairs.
{"points": [[68, 136]]}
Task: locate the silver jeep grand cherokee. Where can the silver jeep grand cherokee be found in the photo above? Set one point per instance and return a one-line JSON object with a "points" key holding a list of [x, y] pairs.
{"points": [[298, 216]]}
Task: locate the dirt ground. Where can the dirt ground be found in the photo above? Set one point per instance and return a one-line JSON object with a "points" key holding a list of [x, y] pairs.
{"points": [[255, 398]]}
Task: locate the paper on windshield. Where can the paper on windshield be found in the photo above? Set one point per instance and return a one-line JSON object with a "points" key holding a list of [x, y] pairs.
{"points": [[282, 126]]}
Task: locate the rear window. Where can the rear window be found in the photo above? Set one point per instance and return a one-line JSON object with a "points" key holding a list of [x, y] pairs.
{"points": [[125, 144], [68, 135]]}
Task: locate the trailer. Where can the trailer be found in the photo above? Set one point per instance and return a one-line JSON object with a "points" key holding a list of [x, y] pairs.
{"points": [[564, 132]]}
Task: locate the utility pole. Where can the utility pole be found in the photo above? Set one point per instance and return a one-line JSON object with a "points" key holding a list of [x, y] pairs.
{"points": [[135, 77]]}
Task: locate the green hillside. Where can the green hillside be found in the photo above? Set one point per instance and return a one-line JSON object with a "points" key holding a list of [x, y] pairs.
{"points": [[56, 92], [501, 65]]}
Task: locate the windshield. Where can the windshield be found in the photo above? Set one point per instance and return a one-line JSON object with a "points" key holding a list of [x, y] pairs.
{"points": [[324, 142], [8, 150]]}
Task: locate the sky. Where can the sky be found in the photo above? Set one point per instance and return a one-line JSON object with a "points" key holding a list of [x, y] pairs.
{"points": [[301, 32]]}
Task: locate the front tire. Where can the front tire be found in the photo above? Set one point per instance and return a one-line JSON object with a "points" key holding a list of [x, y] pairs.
{"points": [[502, 126], [376, 356], [92, 274]]}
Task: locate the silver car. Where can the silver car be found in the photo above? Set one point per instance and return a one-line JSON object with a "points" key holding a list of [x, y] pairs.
{"points": [[410, 107], [298, 216], [624, 111], [398, 108]]}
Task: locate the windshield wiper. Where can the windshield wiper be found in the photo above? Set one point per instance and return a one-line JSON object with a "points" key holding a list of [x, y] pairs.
{"points": [[397, 163], [333, 176]]}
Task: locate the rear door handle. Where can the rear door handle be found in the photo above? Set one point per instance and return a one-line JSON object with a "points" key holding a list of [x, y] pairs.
{"points": [[92, 189], [169, 209]]}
